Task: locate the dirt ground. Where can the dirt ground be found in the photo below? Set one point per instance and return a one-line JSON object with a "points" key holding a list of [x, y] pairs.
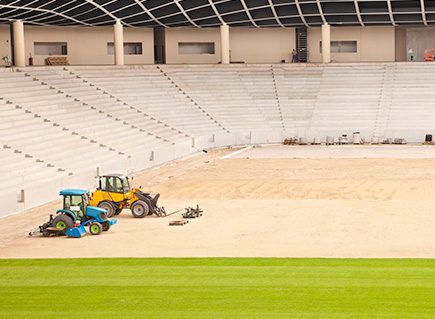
{"points": [[274, 201]]}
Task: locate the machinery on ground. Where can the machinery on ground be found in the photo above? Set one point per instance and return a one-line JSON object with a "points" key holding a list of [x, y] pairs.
{"points": [[74, 216], [114, 194]]}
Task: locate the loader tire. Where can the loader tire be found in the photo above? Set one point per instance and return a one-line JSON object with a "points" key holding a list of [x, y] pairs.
{"points": [[150, 206], [95, 228], [109, 207], [62, 223], [139, 209]]}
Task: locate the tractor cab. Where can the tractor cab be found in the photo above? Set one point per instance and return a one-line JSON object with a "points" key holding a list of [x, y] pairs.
{"points": [[115, 183], [76, 201]]}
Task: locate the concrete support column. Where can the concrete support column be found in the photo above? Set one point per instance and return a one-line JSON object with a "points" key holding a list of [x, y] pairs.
{"points": [[225, 44], [326, 43], [19, 49], [118, 42]]}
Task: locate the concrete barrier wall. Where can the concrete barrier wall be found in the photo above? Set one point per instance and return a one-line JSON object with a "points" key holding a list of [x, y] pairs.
{"points": [[10, 203]]}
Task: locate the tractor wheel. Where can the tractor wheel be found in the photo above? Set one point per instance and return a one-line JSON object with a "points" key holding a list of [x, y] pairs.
{"points": [[150, 206], [106, 226], [95, 228], [139, 209], [118, 211], [62, 223], [109, 207]]}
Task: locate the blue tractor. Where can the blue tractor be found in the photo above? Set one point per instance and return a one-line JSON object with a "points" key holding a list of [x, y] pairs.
{"points": [[75, 215]]}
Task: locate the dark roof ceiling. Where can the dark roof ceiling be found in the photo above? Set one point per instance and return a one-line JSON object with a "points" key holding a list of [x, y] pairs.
{"points": [[211, 13]]}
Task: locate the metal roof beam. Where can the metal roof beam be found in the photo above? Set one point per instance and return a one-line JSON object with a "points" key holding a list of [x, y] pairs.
{"points": [[358, 13], [301, 15], [30, 22], [115, 18], [40, 7], [423, 12], [319, 7], [216, 11], [43, 10], [148, 12], [248, 13], [180, 7], [390, 13], [275, 14]]}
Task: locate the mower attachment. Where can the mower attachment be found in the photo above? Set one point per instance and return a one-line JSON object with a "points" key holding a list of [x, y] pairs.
{"points": [[80, 231], [76, 232]]}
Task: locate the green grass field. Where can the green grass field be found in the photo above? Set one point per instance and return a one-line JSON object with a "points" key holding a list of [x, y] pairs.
{"points": [[217, 288]]}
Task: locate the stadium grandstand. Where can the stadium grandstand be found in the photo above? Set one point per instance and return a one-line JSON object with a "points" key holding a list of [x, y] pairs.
{"points": [[94, 86], [217, 159]]}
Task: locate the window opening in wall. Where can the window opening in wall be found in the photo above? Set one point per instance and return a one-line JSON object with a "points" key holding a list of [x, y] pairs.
{"points": [[130, 48], [196, 48], [50, 48], [342, 46]]}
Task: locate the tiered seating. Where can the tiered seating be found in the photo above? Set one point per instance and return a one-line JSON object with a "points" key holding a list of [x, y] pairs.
{"points": [[297, 89], [258, 81], [71, 115], [85, 92], [225, 92], [42, 141], [150, 90], [17, 168], [348, 100], [410, 111]]}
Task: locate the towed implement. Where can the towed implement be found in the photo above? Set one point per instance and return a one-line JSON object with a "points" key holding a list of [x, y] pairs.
{"points": [[74, 216], [114, 194]]}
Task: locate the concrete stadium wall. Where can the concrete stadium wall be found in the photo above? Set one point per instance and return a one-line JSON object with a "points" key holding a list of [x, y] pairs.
{"points": [[253, 45], [5, 42], [88, 45], [374, 44], [176, 35], [248, 45]]}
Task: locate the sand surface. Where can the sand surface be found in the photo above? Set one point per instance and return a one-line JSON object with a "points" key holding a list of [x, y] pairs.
{"points": [[269, 201]]}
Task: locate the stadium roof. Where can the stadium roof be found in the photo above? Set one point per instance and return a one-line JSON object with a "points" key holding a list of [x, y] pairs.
{"points": [[212, 13]]}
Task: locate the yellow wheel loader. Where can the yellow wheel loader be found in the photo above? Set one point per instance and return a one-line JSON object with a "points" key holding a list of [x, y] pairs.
{"points": [[114, 194]]}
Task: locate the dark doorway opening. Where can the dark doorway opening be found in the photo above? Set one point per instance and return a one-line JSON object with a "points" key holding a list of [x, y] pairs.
{"points": [[301, 45], [11, 32], [159, 45]]}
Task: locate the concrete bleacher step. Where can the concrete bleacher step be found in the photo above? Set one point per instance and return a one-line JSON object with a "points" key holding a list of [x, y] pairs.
{"points": [[94, 126], [112, 105], [138, 86]]}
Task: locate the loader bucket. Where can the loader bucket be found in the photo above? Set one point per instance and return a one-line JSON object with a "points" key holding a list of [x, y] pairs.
{"points": [[76, 232], [152, 203], [155, 199]]}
